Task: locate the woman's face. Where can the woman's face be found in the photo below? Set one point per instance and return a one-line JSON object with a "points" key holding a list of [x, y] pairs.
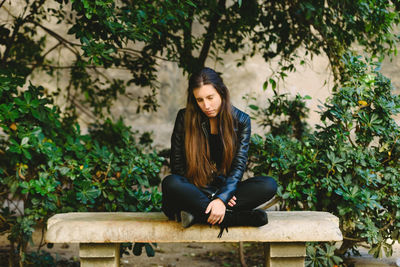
{"points": [[208, 100]]}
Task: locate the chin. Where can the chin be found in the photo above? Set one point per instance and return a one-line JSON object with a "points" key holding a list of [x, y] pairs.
{"points": [[213, 115]]}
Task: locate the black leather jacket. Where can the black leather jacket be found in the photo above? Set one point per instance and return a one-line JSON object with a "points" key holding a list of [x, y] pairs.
{"points": [[243, 132]]}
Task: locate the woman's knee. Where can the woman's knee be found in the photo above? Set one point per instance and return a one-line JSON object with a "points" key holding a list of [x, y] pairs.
{"points": [[172, 182], [168, 181], [268, 185]]}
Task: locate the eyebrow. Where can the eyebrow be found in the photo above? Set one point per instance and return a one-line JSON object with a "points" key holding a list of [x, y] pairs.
{"points": [[198, 98]]}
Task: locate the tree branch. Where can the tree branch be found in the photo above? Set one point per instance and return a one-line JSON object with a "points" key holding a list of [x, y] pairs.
{"points": [[241, 255], [70, 45], [209, 36], [2, 3], [102, 75], [82, 108], [40, 63], [134, 51], [186, 52], [51, 49], [73, 66], [386, 226]]}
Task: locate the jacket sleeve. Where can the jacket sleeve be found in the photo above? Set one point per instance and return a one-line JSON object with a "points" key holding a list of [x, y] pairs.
{"points": [[239, 162], [177, 156]]}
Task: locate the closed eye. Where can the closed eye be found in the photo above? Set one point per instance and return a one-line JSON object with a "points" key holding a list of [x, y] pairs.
{"points": [[209, 97]]}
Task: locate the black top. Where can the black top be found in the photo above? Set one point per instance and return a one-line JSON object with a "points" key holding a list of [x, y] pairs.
{"points": [[216, 149]]}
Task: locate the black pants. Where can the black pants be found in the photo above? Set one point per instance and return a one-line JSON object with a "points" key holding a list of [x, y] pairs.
{"points": [[179, 194]]}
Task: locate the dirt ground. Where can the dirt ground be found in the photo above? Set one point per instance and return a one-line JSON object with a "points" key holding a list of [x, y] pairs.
{"points": [[166, 254]]}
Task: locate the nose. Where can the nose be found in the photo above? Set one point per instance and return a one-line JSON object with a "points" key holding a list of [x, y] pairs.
{"points": [[206, 104]]}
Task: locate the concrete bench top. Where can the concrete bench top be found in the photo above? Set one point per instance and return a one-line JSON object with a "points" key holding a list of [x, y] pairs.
{"points": [[119, 227]]}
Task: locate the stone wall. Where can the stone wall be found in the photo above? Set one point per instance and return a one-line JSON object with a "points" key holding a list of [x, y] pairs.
{"points": [[313, 79]]}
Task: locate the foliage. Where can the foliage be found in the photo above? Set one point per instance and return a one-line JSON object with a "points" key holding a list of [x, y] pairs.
{"points": [[349, 165], [283, 116], [321, 255], [133, 37], [138, 248], [45, 259], [51, 167]]}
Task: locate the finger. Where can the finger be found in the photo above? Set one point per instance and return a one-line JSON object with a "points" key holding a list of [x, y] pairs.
{"points": [[234, 198], [211, 220], [222, 218], [216, 220], [208, 209]]}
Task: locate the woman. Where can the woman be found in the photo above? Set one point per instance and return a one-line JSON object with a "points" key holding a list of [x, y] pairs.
{"points": [[209, 148]]}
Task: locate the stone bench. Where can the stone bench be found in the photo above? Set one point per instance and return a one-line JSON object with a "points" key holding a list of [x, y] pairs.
{"points": [[99, 234]]}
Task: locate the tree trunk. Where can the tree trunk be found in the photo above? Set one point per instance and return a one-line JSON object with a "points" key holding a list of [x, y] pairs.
{"points": [[241, 255]]}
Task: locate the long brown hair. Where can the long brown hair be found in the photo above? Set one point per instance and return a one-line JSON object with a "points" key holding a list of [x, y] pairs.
{"points": [[199, 168]]}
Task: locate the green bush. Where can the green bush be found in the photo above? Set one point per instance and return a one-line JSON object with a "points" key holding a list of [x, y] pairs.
{"points": [[48, 165], [349, 165]]}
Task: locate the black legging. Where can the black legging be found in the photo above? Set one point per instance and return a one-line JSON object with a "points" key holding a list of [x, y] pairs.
{"points": [[179, 194]]}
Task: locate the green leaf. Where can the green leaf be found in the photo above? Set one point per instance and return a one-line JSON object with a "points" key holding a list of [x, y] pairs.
{"points": [[191, 3], [27, 154], [88, 193], [137, 249], [24, 141], [64, 170], [265, 85], [273, 83], [254, 107], [149, 250]]}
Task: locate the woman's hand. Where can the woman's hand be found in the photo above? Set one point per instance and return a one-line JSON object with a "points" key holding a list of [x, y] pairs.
{"points": [[217, 209], [232, 201]]}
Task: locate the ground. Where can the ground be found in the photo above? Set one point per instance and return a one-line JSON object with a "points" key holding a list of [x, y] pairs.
{"points": [[166, 255]]}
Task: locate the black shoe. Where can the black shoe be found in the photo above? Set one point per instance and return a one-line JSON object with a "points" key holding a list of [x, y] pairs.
{"points": [[177, 217], [255, 218], [187, 219]]}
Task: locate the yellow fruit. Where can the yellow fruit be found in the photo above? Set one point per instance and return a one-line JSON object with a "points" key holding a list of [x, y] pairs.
{"points": [[362, 103], [13, 126], [81, 167]]}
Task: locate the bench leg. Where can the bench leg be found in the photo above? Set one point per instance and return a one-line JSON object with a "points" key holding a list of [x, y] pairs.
{"points": [[284, 254], [99, 255]]}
